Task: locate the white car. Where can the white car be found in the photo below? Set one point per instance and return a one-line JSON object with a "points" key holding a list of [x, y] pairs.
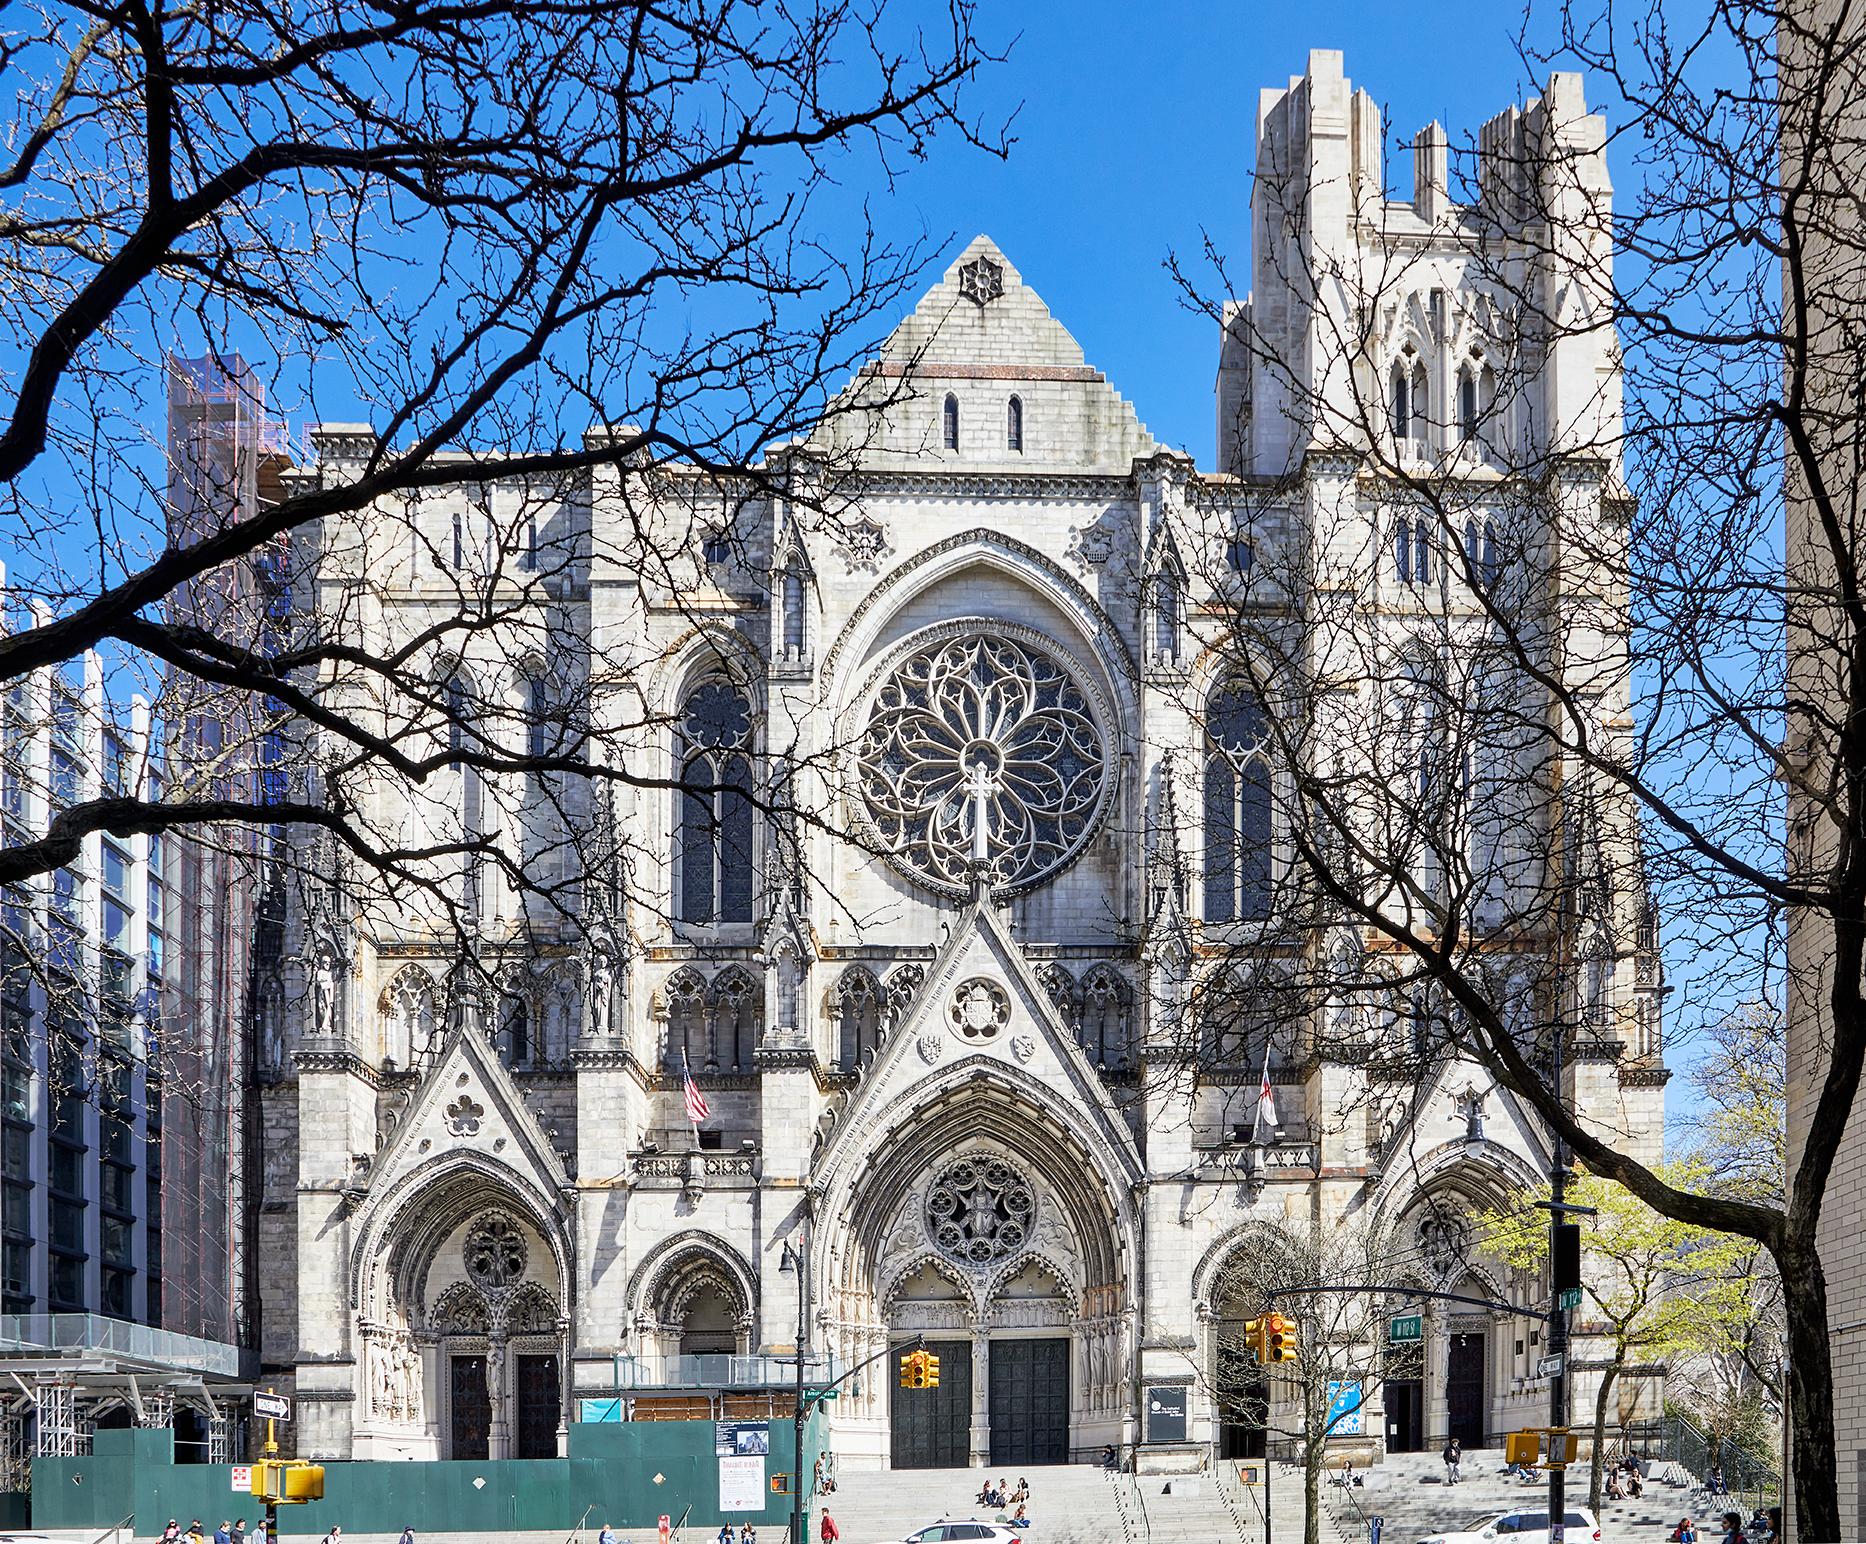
{"points": [[1525, 1527], [953, 1530]]}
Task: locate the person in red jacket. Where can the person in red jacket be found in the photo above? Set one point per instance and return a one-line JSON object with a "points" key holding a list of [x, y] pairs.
{"points": [[828, 1529]]}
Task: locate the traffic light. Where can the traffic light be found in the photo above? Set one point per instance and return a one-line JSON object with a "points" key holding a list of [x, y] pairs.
{"points": [[1522, 1447], [1254, 1339], [303, 1482], [919, 1370], [1280, 1339]]}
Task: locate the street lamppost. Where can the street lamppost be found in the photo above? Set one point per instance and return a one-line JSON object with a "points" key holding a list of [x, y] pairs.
{"points": [[798, 1260]]}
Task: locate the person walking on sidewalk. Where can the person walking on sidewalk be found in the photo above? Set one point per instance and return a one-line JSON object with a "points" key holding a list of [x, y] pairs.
{"points": [[1453, 1456]]}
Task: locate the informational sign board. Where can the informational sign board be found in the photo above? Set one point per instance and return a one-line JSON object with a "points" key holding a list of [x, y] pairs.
{"points": [[1406, 1327], [271, 1407], [1166, 1414], [742, 1439], [742, 1484], [599, 1412], [241, 1479], [1570, 1298], [1550, 1365], [1346, 1418]]}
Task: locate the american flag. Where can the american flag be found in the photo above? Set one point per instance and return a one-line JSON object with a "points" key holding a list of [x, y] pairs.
{"points": [[697, 1107]]}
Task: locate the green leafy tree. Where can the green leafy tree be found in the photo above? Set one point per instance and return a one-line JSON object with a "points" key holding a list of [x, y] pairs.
{"points": [[1653, 1288]]}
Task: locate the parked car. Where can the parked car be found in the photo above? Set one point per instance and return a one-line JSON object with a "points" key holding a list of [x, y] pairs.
{"points": [[1523, 1528], [951, 1530]]}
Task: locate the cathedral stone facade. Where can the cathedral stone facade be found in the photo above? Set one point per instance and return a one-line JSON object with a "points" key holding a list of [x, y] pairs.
{"points": [[936, 1033]]}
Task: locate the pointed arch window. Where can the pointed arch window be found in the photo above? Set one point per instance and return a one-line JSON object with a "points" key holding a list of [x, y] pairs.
{"points": [[714, 846], [949, 422], [1014, 424], [858, 1018], [1420, 398], [1106, 1031], [458, 549], [1169, 608], [1399, 405], [1237, 807], [456, 699], [1467, 406], [1480, 552], [1412, 550], [514, 1037], [411, 1019], [790, 599]]}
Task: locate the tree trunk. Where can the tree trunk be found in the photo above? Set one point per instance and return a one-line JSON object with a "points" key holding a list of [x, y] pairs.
{"points": [[1810, 1393], [1600, 1428]]}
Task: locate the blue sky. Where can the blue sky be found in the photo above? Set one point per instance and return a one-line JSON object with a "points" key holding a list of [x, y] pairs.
{"points": [[1134, 136]]}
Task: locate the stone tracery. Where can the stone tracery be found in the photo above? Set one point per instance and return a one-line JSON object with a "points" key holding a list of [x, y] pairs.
{"points": [[982, 723]]}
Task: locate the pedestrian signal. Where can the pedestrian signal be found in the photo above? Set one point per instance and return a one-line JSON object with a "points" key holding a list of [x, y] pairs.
{"points": [[1281, 1339], [1254, 1339], [929, 1370]]}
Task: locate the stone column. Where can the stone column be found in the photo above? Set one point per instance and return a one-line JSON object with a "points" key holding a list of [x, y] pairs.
{"points": [[1437, 1361], [981, 1398], [498, 1431], [566, 1390]]}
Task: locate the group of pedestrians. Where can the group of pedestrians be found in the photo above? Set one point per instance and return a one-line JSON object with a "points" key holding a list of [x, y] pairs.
{"points": [[747, 1534], [998, 1494], [1626, 1479], [1764, 1527]]}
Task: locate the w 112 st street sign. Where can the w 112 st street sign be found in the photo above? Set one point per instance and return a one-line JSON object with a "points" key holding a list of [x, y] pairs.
{"points": [[1407, 1327]]}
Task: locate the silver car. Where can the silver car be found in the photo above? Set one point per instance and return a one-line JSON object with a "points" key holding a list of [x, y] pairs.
{"points": [[1524, 1527], [962, 1530]]}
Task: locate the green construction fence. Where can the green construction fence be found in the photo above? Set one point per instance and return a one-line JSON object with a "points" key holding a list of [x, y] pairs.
{"points": [[628, 1474]]}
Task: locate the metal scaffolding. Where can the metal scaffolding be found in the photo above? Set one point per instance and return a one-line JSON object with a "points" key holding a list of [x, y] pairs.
{"points": [[61, 1433], [15, 1461], [158, 1408]]}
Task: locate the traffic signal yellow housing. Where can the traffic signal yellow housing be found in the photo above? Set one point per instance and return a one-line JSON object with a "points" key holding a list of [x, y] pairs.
{"points": [[919, 1370], [288, 1480], [1254, 1338], [1281, 1339], [1522, 1447]]}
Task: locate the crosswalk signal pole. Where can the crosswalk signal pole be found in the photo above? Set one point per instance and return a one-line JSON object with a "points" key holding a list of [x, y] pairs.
{"points": [[272, 1489], [1560, 1231]]}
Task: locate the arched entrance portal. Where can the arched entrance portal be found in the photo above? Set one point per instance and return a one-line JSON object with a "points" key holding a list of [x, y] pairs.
{"points": [[462, 1324], [984, 1229]]}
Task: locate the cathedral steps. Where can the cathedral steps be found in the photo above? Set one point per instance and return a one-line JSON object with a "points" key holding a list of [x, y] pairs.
{"points": [[1074, 1504], [1409, 1491]]}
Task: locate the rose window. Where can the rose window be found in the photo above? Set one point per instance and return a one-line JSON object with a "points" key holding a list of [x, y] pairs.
{"points": [[982, 726], [495, 1252], [979, 1211]]}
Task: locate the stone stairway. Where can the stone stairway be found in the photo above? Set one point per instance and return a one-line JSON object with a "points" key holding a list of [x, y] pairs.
{"points": [[1075, 1504], [1409, 1491]]}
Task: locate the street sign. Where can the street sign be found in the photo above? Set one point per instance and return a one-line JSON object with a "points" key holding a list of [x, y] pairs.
{"points": [[271, 1407], [1570, 1297], [1407, 1327], [1549, 1366], [241, 1479]]}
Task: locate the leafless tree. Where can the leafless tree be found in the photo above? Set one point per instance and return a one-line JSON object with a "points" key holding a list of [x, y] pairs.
{"points": [[1521, 680], [526, 242]]}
